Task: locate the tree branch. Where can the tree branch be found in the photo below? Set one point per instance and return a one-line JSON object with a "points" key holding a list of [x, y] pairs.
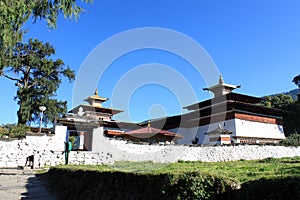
{"points": [[11, 78], [31, 85]]}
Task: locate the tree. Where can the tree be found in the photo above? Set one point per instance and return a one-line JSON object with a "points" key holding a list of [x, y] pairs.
{"points": [[296, 80], [37, 77], [278, 101], [15, 13], [291, 117], [291, 120]]}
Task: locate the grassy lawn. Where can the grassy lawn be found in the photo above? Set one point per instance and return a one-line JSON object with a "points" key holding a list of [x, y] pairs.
{"points": [[242, 171]]}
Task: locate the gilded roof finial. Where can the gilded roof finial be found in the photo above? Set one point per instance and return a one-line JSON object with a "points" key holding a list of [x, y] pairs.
{"points": [[96, 92], [149, 123], [221, 80]]}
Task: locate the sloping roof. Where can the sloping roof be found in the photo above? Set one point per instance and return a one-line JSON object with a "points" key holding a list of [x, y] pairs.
{"points": [[96, 97], [95, 109], [152, 131], [228, 97]]}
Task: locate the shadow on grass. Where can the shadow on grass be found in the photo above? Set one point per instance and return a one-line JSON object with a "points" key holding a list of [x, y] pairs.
{"points": [[280, 188]]}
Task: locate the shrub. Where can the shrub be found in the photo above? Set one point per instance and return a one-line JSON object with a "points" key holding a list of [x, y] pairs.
{"points": [[3, 131], [195, 185], [122, 185], [292, 140], [283, 188], [14, 130]]}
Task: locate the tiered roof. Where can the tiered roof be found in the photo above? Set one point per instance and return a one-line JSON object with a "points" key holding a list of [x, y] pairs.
{"points": [[95, 107]]}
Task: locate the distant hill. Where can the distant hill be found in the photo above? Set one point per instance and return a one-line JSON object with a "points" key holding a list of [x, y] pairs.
{"points": [[294, 93]]}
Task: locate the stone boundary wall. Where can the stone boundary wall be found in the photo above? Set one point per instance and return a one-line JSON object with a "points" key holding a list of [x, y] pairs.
{"points": [[48, 151]]}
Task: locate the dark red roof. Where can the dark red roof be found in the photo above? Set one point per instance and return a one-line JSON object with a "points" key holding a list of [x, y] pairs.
{"points": [[113, 133]]}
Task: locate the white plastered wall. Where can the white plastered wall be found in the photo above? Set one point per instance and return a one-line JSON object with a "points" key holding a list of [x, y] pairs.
{"points": [[190, 133], [258, 129]]}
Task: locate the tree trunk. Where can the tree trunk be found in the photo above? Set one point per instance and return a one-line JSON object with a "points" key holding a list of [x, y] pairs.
{"points": [[23, 115]]}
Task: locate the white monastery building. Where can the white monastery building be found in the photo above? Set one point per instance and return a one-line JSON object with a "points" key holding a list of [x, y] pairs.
{"points": [[226, 118]]}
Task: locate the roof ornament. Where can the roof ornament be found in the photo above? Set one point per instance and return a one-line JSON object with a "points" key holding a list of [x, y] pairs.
{"points": [[96, 92], [219, 126], [80, 111], [149, 123], [221, 80], [221, 88]]}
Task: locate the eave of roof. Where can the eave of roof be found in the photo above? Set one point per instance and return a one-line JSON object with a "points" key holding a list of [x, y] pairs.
{"points": [[230, 96], [230, 86], [96, 97], [96, 109]]}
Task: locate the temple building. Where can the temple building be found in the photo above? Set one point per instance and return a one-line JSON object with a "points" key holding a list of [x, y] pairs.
{"points": [[227, 118], [84, 118], [81, 120], [94, 110]]}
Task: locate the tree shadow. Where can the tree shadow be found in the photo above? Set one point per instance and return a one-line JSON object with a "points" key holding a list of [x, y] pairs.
{"points": [[280, 189], [37, 189]]}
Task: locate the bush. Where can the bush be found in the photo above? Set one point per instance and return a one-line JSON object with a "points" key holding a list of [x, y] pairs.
{"points": [[195, 185], [93, 185], [292, 140], [14, 130], [283, 188], [3, 131]]}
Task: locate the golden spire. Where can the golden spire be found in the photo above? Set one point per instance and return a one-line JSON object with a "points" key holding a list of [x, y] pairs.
{"points": [[149, 123], [96, 92], [221, 80]]}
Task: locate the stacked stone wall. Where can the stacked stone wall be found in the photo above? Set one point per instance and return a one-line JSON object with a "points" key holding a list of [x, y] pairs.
{"points": [[48, 151]]}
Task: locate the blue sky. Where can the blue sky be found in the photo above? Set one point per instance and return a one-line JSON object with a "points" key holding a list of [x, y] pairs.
{"points": [[253, 43]]}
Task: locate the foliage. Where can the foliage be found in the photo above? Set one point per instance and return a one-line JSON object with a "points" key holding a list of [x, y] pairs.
{"points": [[14, 130], [37, 77], [262, 189], [291, 120], [195, 185], [3, 131], [292, 140], [294, 93], [278, 101], [184, 180], [94, 185], [296, 80], [14, 14]]}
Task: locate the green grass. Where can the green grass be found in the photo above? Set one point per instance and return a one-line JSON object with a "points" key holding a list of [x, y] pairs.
{"points": [[242, 171]]}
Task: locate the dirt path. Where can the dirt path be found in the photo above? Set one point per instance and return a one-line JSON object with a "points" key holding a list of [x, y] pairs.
{"points": [[17, 184]]}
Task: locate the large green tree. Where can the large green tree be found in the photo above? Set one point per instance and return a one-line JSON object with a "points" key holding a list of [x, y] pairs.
{"points": [[37, 77], [296, 80], [278, 101], [292, 118], [15, 13]]}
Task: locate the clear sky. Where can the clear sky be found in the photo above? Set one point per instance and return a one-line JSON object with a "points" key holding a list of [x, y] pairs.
{"points": [[253, 43]]}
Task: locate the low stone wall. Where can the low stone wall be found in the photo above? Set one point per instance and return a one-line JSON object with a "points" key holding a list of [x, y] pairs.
{"points": [[48, 151]]}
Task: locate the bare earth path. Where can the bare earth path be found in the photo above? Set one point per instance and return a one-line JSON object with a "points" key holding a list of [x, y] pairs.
{"points": [[17, 184]]}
